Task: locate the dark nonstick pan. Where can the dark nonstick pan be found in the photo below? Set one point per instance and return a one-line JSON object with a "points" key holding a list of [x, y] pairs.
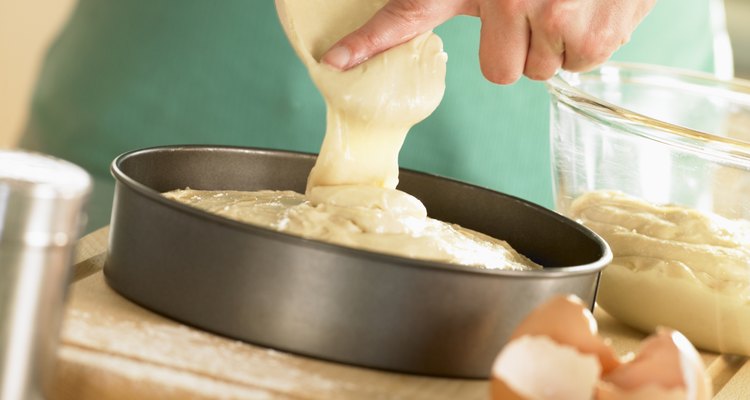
{"points": [[323, 300]]}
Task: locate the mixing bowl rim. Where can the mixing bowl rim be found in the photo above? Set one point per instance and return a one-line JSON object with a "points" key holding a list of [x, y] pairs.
{"points": [[561, 88], [547, 272]]}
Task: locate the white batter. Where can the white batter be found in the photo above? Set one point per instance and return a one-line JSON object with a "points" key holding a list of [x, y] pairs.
{"points": [[366, 217], [351, 196], [673, 266], [370, 108]]}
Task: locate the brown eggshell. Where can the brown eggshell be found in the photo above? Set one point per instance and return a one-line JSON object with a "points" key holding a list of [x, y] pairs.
{"points": [[666, 362], [536, 367], [607, 391], [567, 320]]}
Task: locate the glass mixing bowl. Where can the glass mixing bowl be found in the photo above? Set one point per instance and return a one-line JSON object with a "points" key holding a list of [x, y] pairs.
{"points": [[657, 161]]}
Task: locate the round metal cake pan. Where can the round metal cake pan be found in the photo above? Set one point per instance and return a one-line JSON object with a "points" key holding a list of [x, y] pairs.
{"points": [[324, 300]]}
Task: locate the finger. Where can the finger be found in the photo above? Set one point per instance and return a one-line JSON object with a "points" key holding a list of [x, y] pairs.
{"points": [[593, 42], [545, 54], [504, 42], [397, 22], [590, 50]]}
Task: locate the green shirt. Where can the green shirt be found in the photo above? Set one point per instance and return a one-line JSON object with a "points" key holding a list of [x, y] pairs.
{"points": [[124, 75]]}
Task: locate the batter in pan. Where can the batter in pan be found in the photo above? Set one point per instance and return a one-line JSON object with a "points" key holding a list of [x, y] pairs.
{"points": [[351, 197], [382, 220]]}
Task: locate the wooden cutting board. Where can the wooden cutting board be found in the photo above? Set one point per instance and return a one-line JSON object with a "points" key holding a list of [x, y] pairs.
{"points": [[114, 349]]}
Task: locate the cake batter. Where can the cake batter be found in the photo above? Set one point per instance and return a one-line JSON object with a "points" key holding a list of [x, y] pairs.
{"points": [[673, 266]]}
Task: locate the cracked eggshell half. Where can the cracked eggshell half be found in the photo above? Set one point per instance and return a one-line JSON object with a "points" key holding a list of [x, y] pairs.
{"points": [[536, 367], [554, 353], [667, 367]]}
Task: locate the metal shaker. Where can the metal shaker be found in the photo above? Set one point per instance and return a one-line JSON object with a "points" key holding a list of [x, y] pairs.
{"points": [[41, 202]]}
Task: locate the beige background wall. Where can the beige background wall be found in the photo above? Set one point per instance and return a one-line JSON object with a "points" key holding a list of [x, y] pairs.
{"points": [[27, 26]]}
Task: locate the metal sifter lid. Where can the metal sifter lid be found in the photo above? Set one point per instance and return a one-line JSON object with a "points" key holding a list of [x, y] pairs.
{"points": [[41, 198]]}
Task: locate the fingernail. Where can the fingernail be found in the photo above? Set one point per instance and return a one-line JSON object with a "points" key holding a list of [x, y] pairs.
{"points": [[338, 57]]}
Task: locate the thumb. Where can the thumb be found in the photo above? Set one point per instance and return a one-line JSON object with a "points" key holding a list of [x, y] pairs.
{"points": [[397, 22]]}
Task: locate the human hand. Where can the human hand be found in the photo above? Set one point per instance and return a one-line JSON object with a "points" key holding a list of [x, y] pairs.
{"points": [[530, 37]]}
